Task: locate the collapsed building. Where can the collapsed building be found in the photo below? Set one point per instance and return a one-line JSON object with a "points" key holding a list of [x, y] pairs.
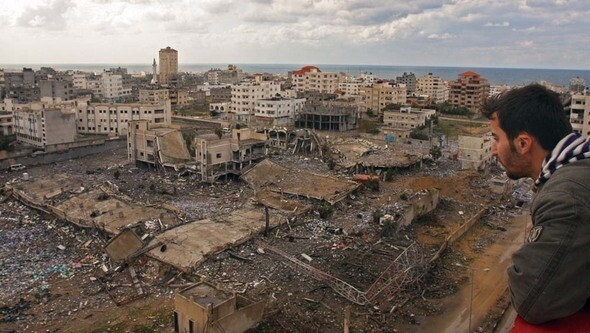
{"points": [[362, 156], [223, 156]]}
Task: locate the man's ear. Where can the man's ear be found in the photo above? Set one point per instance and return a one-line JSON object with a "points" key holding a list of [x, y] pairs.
{"points": [[524, 143]]}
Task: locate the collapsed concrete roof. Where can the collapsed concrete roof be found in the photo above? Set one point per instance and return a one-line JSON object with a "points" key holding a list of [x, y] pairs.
{"points": [[172, 148], [390, 159], [188, 245], [268, 175]]}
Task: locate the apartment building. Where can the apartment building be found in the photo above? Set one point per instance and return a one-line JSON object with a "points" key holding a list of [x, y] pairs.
{"points": [[111, 86], [21, 86], [245, 95], [475, 153], [278, 111], [217, 157], [45, 126], [469, 90], [168, 64], [232, 75], [311, 78], [113, 119], [153, 95], [376, 96], [220, 94], [407, 118], [409, 80], [432, 86], [580, 113], [56, 90]]}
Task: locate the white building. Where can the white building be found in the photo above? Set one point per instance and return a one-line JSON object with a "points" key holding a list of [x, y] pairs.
{"points": [[475, 153], [580, 113], [433, 86], [45, 127], [245, 95], [311, 78], [112, 86], [407, 117], [113, 119], [278, 111]]}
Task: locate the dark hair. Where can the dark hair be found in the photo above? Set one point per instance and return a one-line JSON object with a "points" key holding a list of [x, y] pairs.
{"points": [[533, 109]]}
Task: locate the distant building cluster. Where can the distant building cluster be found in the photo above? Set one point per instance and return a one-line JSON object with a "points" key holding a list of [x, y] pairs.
{"points": [[48, 108]]}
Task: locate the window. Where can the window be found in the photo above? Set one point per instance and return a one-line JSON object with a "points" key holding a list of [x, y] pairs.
{"points": [[218, 155]]}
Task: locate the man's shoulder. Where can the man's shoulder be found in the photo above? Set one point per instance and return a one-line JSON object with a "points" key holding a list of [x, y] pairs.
{"points": [[573, 174]]}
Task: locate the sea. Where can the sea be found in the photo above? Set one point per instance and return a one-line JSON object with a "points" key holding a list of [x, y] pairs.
{"points": [[496, 76]]}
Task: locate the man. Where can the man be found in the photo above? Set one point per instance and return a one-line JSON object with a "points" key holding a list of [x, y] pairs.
{"points": [[550, 274]]}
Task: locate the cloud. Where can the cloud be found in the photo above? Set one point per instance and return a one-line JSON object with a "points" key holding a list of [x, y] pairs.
{"points": [[446, 35], [50, 16], [527, 43], [157, 16], [501, 24]]}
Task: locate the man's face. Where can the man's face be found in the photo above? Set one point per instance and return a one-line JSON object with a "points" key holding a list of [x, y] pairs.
{"points": [[506, 152]]}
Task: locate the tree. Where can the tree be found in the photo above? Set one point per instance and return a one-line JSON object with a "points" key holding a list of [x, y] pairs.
{"points": [[219, 132], [370, 112]]}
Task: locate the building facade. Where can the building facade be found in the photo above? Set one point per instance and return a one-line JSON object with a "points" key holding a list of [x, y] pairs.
{"points": [[407, 118], [217, 157], [112, 87], [245, 95], [434, 87], [469, 90], [44, 127], [278, 111], [475, 153], [168, 64], [580, 114], [56, 90], [311, 78], [376, 96], [113, 119], [409, 80]]}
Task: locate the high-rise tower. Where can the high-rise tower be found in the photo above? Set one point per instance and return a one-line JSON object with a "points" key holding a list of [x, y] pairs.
{"points": [[168, 64]]}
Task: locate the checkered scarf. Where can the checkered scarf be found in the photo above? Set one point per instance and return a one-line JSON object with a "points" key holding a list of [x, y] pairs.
{"points": [[570, 149]]}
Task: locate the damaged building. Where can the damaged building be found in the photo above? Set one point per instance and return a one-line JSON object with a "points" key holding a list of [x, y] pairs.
{"points": [[156, 146], [327, 118], [206, 308], [475, 153], [217, 157]]}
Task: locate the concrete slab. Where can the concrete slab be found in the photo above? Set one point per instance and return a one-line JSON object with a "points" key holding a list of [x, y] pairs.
{"points": [[173, 148], [94, 209], [47, 188], [188, 245], [271, 176], [123, 245]]}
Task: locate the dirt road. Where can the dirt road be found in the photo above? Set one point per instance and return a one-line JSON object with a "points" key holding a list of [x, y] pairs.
{"points": [[490, 283]]}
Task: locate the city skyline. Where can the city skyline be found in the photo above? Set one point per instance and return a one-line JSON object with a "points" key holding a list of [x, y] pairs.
{"points": [[525, 34]]}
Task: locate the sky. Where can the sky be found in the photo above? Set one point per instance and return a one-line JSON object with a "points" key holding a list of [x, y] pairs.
{"points": [[477, 33]]}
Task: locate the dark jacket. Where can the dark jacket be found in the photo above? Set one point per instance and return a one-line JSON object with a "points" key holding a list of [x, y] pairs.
{"points": [[550, 274]]}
